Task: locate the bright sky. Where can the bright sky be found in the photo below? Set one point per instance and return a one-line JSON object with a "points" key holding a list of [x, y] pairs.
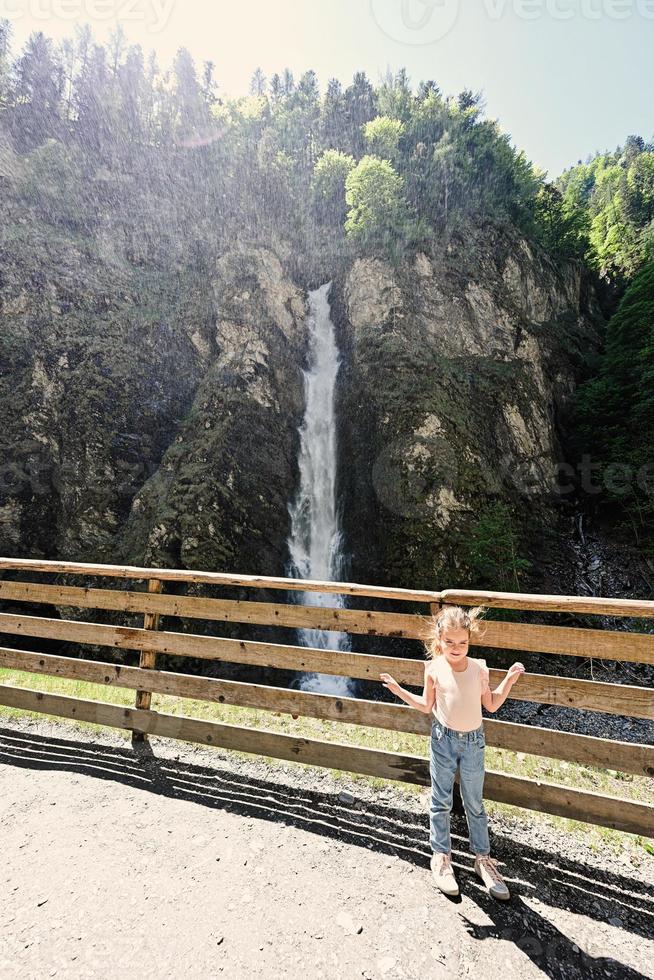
{"points": [[563, 77]]}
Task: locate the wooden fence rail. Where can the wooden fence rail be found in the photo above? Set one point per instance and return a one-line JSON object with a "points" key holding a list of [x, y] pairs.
{"points": [[149, 639]]}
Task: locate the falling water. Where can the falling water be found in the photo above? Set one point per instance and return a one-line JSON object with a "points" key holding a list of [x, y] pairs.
{"points": [[315, 541]]}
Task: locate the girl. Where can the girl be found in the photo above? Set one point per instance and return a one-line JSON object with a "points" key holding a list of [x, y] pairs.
{"points": [[455, 688]]}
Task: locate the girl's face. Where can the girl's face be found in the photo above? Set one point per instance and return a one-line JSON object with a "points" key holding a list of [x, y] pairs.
{"points": [[454, 645]]}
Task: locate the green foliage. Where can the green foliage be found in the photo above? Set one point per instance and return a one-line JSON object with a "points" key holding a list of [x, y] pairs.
{"points": [[394, 97], [493, 550], [614, 194], [360, 105], [52, 181], [562, 227], [378, 215], [615, 412], [262, 164], [383, 135], [328, 187], [37, 92]]}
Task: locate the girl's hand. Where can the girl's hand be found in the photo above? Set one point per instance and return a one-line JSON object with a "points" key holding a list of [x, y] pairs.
{"points": [[390, 683], [514, 672]]}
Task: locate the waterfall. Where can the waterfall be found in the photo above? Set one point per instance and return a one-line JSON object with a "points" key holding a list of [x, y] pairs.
{"points": [[315, 541]]}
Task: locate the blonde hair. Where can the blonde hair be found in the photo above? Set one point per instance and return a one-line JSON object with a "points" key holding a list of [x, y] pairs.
{"points": [[451, 618]]}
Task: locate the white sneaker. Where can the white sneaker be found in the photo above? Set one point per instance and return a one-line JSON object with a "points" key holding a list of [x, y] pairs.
{"points": [[486, 868], [443, 875]]}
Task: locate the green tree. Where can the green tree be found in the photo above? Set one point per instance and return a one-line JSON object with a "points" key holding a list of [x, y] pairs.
{"points": [[276, 90], [378, 213], [493, 550], [615, 194], [383, 135], [190, 114], [52, 184], [96, 125], [5, 51], [37, 93], [561, 228], [333, 117], [288, 82], [258, 83], [132, 89], [328, 186], [614, 412], [394, 96], [209, 84], [360, 108]]}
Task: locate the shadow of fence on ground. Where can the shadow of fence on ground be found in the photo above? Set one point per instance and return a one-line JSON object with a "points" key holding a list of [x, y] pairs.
{"points": [[532, 873]]}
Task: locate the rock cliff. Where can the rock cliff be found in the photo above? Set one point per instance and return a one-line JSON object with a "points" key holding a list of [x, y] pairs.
{"points": [[150, 415], [458, 369], [219, 497]]}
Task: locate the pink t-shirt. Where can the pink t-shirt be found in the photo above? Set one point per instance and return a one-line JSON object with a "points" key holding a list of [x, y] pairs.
{"points": [[458, 693]]}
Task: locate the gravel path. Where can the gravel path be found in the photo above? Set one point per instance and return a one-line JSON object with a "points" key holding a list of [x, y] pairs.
{"points": [[183, 861]]}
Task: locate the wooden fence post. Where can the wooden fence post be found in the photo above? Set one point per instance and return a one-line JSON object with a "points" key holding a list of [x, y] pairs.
{"points": [[147, 659]]}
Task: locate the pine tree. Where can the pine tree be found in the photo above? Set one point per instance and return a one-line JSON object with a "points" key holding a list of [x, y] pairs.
{"points": [[37, 91], [92, 104], [360, 108], [132, 85], [276, 89], [258, 83], [5, 51], [189, 111], [288, 82], [209, 84], [332, 116]]}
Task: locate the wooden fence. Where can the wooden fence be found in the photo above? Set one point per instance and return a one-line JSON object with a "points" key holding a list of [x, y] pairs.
{"points": [[146, 679]]}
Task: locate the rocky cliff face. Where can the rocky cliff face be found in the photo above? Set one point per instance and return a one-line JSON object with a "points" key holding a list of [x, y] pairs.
{"points": [[86, 400], [147, 417], [219, 497], [150, 413], [459, 366]]}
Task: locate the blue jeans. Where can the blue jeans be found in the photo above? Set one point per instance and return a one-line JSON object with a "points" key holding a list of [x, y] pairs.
{"points": [[450, 749]]}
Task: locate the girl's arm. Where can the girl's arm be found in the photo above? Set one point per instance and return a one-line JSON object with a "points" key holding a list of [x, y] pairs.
{"points": [[424, 702], [492, 700]]}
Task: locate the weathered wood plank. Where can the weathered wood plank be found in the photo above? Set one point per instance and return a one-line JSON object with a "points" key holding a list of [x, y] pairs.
{"points": [[621, 814], [560, 640], [224, 610], [631, 816], [283, 656], [333, 755], [587, 750], [582, 749], [618, 699], [549, 603], [506, 600], [628, 700], [138, 573], [568, 641]]}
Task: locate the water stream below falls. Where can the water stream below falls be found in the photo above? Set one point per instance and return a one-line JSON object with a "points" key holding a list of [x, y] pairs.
{"points": [[315, 542]]}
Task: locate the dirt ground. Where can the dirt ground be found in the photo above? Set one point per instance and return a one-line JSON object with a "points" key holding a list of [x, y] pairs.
{"points": [[181, 861]]}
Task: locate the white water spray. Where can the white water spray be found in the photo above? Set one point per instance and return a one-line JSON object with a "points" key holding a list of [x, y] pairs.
{"points": [[315, 541]]}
